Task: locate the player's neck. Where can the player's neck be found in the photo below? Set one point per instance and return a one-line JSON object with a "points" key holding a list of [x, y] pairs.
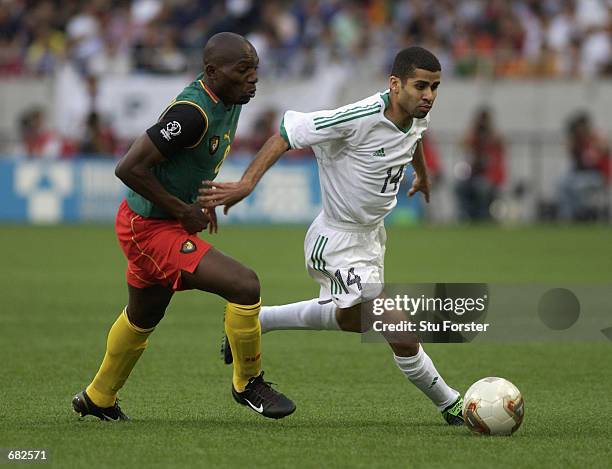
{"points": [[215, 92], [397, 115]]}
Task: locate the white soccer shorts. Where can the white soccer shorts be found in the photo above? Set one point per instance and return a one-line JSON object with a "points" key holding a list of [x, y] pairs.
{"points": [[346, 260]]}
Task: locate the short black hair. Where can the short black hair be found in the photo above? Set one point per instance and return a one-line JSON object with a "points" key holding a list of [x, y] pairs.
{"points": [[409, 59]]}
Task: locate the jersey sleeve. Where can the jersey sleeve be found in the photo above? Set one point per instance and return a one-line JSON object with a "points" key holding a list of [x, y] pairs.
{"points": [[182, 126], [305, 129]]}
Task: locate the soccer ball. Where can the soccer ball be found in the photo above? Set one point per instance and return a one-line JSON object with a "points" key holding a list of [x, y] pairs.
{"points": [[493, 406]]}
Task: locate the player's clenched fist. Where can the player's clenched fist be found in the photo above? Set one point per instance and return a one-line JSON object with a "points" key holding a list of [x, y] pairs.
{"points": [[193, 219]]}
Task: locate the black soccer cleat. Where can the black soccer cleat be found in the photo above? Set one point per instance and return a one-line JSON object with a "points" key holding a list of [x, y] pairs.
{"points": [[82, 405], [263, 399], [226, 351], [453, 414]]}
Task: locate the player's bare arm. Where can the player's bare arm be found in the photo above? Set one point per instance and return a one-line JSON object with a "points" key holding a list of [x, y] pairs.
{"points": [[421, 179], [230, 193], [134, 169]]}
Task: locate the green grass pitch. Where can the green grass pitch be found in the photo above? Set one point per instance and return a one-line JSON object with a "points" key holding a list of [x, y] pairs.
{"points": [[62, 288]]}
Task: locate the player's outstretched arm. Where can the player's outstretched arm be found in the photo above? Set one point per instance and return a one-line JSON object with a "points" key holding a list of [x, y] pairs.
{"points": [[229, 194], [134, 169], [421, 179]]}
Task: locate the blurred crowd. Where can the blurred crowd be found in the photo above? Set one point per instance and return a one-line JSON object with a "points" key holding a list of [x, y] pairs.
{"points": [[491, 38], [582, 193], [93, 136], [478, 180], [516, 39], [39, 141]]}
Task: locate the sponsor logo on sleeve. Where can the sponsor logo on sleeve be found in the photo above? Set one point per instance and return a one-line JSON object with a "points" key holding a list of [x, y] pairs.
{"points": [[172, 130]]}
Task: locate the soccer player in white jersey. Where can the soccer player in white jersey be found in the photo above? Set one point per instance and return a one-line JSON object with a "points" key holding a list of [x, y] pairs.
{"points": [[362, 150]]}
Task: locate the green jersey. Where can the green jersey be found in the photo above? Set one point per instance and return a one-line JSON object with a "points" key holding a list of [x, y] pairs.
{"points": [[194, 133]]}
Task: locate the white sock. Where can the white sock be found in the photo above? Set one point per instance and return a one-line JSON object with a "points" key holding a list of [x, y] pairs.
{"points": [[421, 371], [303, 315]]}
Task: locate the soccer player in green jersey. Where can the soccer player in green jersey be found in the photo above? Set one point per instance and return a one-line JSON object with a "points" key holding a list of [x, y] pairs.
{"points": [[157, 226]]}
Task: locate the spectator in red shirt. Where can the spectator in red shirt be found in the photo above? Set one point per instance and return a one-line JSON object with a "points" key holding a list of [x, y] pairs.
{"points": [[37, 141], [484, 174], [98, 139], [582, 193]]}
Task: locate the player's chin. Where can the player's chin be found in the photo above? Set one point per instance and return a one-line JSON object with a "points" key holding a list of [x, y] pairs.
{"points": [[245, 98], [420, 113]]}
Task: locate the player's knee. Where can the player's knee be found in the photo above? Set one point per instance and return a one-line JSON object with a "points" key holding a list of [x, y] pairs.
{"points": [[350, 320], [144, 319], [247, 288]]}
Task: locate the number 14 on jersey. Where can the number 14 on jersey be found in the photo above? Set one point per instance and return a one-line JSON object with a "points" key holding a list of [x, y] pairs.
{"points": [[392, 179]]}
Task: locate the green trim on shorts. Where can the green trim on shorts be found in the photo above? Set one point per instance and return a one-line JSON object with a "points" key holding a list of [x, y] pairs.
{"points": [[319, 264]]}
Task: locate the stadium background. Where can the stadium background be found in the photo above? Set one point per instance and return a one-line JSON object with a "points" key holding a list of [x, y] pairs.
{"points": [[525, 200], [81, 80]]}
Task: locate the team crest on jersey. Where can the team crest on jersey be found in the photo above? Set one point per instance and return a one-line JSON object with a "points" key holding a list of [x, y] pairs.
{"points": [[172, 130], [188, 247], [213, 144]]}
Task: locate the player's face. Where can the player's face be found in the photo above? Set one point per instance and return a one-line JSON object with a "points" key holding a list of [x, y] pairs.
{"points": [[237, 79], [418, 93]]}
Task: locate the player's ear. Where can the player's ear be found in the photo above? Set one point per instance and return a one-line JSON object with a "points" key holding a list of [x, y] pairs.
{"points": [[210, 71], [394, 84]]}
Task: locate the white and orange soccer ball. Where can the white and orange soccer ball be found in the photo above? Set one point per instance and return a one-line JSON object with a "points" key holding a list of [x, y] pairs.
{"points": [[493, 406]]}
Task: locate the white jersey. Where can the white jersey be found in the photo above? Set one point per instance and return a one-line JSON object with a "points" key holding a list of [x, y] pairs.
{"points": [[361, 156]]}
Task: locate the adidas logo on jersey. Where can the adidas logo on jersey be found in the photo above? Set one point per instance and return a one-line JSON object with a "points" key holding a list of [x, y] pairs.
{"points": [[380, 152]]}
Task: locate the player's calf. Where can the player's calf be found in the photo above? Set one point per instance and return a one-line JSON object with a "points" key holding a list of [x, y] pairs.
{"points": [[407, 349]]}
